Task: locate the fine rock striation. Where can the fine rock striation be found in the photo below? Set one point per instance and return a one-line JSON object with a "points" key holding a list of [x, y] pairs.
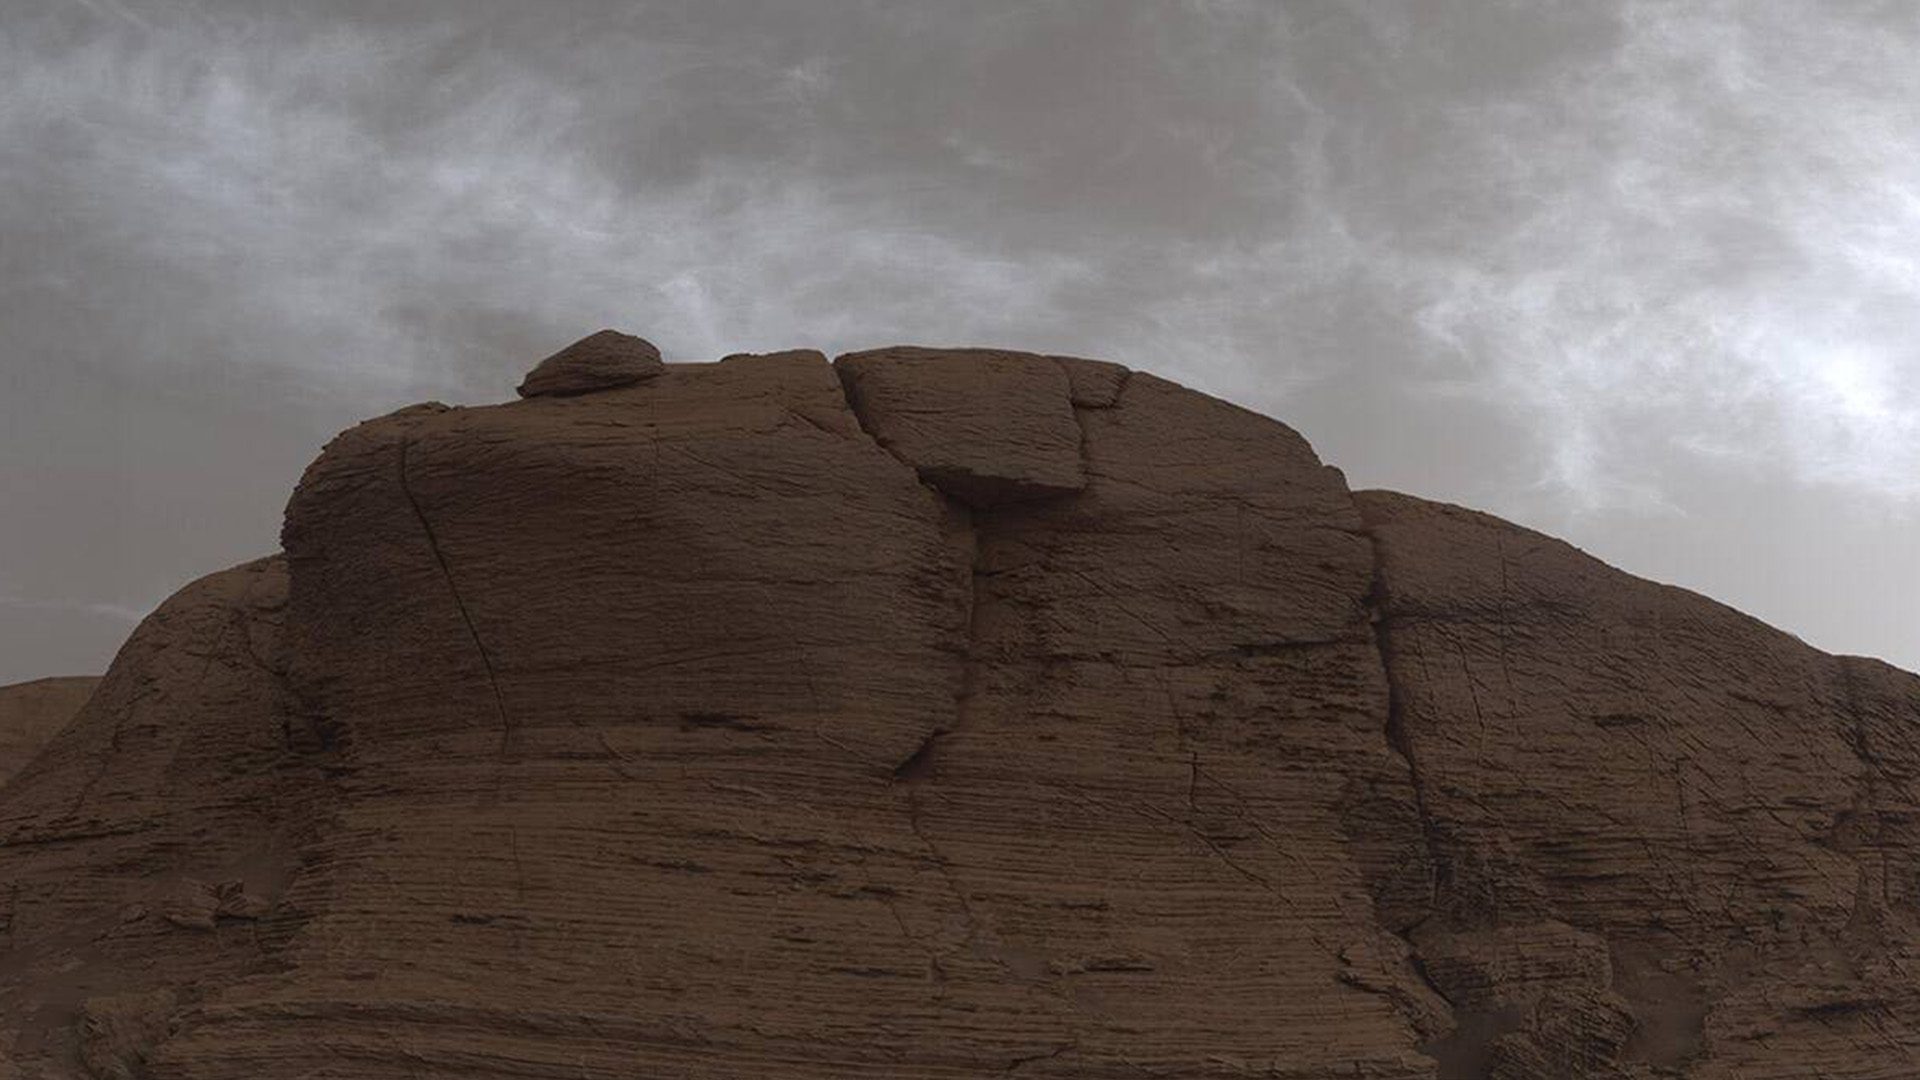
{"points": [[31, 712], [940, 713]]}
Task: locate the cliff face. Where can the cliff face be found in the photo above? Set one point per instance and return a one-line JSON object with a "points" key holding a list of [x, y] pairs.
{"points": [[1662, 831], [942, 713]]}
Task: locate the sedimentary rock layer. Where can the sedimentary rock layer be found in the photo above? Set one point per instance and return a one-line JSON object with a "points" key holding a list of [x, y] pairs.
{"points": [[1664, 833], [947, 713], [33, 712]]}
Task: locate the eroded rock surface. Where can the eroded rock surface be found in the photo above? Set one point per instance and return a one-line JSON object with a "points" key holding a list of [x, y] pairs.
{"points": [[33, 712], [181, 768], [599, 361], [1726, 815], [940, 714], [983, 426]]}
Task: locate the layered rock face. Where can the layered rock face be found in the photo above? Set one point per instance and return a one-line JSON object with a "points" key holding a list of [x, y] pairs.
{"points": [[938, 714], [1662, 831], [32, 712]]}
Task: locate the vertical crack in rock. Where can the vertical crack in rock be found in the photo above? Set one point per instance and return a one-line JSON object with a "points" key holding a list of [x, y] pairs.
{"points": [[1860, 833], [460, 605], [1400, 741], [847, 390], [918, 765], [1079, 417], [1856, 733]]}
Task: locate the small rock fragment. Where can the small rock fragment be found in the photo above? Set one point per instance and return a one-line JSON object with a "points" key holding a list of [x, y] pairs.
{"points": [[192, 904], [233, 901], [189, 904]]}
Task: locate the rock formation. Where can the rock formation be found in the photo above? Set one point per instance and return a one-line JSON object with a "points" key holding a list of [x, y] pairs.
{"points": [[31, 712], [940, 714], [600, 361]]}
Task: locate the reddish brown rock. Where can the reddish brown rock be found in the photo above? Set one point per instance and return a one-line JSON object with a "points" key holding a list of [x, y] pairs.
{"points": [[186, 765], [31, 713], [1728, 813], [599, 361], [984, 426], [955, 714], [1093, 384]]}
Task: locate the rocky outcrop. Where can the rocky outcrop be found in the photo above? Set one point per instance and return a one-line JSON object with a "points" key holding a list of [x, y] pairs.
{"points": [[599, 361], [32, 712], [181, 779], [947, 713], [1653, 807]]}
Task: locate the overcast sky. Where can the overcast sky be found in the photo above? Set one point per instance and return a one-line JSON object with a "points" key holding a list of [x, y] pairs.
{"points": [[1642, 275]]}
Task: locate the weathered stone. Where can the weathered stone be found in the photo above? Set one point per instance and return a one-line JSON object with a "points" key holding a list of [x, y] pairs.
{"points": [[599, 361], [1095, 384], [1732, 812], [118, 1031], [958, 713], [180, 769], [31, 713], [984, 426]]}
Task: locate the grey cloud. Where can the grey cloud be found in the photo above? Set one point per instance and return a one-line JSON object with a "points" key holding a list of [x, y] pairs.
{"points": [[1600, 267], [1704, 237]]}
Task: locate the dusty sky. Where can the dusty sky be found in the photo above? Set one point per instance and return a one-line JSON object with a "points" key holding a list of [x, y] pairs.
{"points": [[1643, 275]]}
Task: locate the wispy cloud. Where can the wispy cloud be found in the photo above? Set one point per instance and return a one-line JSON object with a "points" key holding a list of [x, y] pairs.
{"points": [[1635, 243], [315, 238], [1704, 244], [124, 613]]}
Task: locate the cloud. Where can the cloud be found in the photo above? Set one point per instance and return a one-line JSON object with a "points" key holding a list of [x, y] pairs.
{"points": [[1646, 229], [1568, 260], [1699, 241], [118, 612], [225, 200]]}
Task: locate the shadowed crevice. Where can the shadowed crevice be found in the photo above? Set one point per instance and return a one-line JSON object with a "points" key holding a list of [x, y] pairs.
{"points": [[1080, 418], [460, 605], [850, 391], [1378, 602]]}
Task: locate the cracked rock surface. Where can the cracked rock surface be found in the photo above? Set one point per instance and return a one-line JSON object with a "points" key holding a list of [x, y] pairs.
{"points": [[940, 714], [982, 426]]}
